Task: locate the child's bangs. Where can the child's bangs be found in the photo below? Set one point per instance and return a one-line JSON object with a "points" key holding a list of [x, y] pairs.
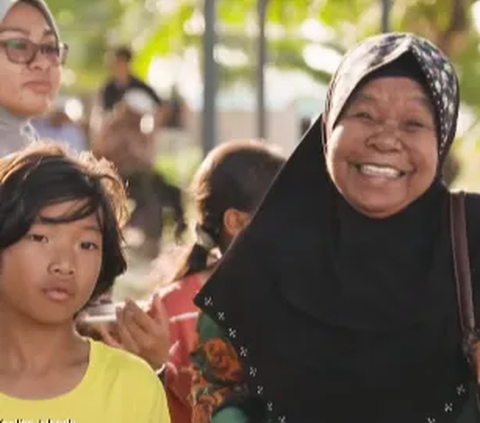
{"points": [[87, 206]]}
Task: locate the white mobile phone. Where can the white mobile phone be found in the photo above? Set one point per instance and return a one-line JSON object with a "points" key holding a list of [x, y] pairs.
{"points": [[105, 313], [107, 318]]}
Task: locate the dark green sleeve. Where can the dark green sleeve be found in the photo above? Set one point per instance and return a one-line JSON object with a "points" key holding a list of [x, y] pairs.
{"points": [[230, 415]]}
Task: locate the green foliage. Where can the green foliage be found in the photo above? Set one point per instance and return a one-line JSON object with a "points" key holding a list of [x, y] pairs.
{"points": [[90, 26]]}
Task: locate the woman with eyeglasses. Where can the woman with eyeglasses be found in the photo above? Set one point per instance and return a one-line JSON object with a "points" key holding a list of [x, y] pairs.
{"points": [[31, 59]]}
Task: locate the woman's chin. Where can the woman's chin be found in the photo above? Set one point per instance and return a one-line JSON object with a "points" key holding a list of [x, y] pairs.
{"points": [[34, 109], [378, 208]]}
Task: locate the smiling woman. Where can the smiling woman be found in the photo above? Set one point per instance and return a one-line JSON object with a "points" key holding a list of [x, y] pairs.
{"points": [[338, 302], [382, 153], [31, 58]]}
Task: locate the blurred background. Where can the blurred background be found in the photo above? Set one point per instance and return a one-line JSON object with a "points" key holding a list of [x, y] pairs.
{"points": [[265, 63]]}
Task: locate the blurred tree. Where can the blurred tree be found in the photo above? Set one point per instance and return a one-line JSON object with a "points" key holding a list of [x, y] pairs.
{"points": [[320, 27], [166, 27], [340, 24], [89, 27]]}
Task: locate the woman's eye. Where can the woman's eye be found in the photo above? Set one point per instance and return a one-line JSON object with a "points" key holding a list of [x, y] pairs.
{"points": [[17, 44], [50, 49], [37, 238], [89, 246], [363, 115], [414, 124]]}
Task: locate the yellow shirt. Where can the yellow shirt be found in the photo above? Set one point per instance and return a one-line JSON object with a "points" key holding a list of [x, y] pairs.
{"points": [[117, 388]]}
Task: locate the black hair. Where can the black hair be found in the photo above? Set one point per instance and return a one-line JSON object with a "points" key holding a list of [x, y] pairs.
{"points": [[123, 53], [237, 175], [44, 174]]}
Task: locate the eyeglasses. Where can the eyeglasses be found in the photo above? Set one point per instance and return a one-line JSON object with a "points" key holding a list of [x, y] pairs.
{"points": [[23, 51]]}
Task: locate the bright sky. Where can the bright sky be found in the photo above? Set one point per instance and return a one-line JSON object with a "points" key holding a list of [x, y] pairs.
{"points": [[476, 14]]}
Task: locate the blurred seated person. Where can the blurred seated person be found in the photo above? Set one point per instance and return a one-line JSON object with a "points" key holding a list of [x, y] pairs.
{"points": [[57, 125], [127, 139]]}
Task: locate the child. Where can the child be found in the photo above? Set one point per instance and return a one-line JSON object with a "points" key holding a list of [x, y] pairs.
{"points": [[227, 188], [60, 247]]}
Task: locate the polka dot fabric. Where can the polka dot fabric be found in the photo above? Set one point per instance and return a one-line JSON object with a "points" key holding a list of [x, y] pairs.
{"points": [[377, 52]]}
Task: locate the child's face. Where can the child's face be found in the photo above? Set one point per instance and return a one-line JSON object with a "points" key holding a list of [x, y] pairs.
{"points": [[51, 273]]}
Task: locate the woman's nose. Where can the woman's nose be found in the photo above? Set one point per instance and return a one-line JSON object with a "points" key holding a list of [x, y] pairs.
{"points": [[386, 139], [40, 61]]}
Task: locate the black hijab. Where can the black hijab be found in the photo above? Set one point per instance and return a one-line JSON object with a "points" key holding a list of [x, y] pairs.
{"points": [[309, 263]]}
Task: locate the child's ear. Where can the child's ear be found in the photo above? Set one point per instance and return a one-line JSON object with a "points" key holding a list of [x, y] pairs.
{"points": [[234, 221]]}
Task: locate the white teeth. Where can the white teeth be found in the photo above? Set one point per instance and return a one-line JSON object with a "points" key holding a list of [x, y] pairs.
{"points": [[384, 171]]}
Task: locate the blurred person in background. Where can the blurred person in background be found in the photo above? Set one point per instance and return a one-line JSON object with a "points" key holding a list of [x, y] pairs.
{"points": [[122, 80], [125, 122], [127, 135], [127, 139], [57, 125], [175, 118], [226, 190], [174, 130], [31, 59]]}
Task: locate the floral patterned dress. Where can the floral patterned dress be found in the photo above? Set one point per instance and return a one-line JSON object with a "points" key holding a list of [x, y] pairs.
{"points": [[218, 389]]}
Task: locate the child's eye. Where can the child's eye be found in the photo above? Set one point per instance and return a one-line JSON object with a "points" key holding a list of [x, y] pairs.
{"points": [[37, 238], [89, 246]]}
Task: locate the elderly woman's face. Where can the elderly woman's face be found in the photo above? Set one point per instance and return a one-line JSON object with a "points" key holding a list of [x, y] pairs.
{"points": [[382, 154], [27, 89]]}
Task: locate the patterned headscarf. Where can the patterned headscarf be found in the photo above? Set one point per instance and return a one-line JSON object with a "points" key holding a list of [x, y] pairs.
{"points": [[378, 52]]}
